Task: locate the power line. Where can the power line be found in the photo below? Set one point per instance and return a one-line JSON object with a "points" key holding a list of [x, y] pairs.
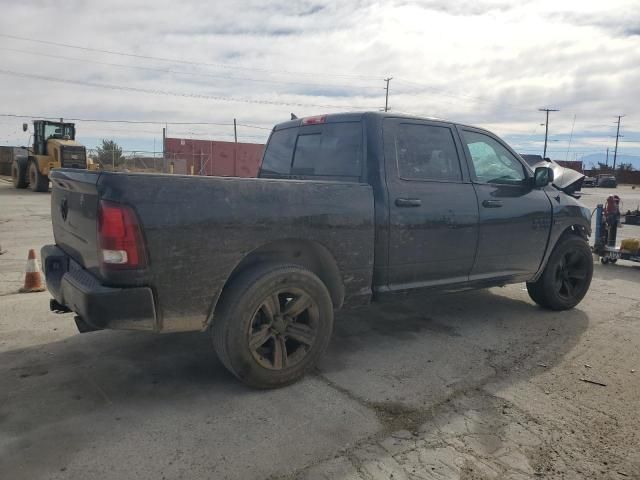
{"points": [[145, 122], [174, 94], [182, 61], [228, 77], [439, 91], [463, 97], [570, 137], [182, 72]]}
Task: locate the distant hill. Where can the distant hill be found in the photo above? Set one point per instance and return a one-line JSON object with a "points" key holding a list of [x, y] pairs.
{"points": [[594, 158]]}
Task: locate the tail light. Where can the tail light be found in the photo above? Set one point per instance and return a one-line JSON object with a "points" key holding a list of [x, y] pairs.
{"points": [[119, 237]]}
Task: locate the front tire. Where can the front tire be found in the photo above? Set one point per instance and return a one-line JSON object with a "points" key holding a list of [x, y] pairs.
{"points": [[566, 277], [273, 324], [19, 174], [37, 181]]}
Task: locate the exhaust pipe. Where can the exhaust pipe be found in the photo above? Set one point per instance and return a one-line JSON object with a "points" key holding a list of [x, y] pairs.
{"points": [[83, 327], [57, 307]]}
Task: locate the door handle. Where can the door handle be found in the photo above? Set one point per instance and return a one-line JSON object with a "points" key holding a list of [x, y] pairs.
{"points": [[408, 202], [492, 203]]}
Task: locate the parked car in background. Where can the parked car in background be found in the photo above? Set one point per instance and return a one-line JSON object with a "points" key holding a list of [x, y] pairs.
{"points": [[607, 181], [349, 208], [589, 182]]}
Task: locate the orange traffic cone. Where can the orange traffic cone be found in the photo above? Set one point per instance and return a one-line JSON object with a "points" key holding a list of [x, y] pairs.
{"points": [[32, 277]]}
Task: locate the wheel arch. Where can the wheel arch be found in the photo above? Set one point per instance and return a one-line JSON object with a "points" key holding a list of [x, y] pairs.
{"points": [[306, 253], [576, 229]]}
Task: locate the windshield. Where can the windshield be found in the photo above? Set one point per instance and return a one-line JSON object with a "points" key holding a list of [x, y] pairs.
{"points": [[57, 130]]}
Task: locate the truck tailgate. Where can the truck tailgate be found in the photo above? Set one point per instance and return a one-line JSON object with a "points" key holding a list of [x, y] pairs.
{"points": [[74, 212]]}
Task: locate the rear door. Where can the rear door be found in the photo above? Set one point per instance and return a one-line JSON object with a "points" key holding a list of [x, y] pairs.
{"points": [[433, 211], [515, 218]]}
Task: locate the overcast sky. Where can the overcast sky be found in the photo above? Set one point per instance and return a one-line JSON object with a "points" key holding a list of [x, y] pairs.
{"points": [[488, 63]]}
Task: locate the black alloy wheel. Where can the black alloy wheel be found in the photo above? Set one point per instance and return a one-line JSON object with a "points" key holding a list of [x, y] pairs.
{"points": [[571, 274], [283, 329]]}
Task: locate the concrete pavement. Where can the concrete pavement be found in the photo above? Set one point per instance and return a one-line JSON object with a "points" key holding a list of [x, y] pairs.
{"points": [[476, 385]]}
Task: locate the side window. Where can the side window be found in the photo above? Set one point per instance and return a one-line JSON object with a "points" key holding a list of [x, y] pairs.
{"points": [[334, 150], [423, 152], [492, 162], [277, 157]]}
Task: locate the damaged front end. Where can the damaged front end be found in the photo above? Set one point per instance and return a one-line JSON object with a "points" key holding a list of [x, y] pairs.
{"points": [[565, 179]]}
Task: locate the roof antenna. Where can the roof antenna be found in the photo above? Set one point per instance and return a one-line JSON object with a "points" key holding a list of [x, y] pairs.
{"points": [[294, 116]]}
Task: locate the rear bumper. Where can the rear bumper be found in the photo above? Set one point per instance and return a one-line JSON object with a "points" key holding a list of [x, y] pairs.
{"points": [[101, 307]]}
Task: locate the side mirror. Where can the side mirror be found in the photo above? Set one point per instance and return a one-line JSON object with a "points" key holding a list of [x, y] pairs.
{"points": [[542, 177], [25, 127]]}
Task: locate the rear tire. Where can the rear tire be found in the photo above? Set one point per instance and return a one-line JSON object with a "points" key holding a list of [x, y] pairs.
{"points": [[37, 181], [566, 277], [272, 325], [19, 174]]}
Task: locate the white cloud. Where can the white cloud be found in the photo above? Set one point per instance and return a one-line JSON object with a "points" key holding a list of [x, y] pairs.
{"points": [[484, 62]]}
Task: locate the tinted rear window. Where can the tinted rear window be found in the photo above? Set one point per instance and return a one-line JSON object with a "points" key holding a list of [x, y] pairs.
{"points": [[277, 157], [331, 150]]}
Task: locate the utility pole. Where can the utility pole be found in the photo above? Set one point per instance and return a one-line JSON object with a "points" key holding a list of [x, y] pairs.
{"points": [[386, 99], [546, 128], [235, 148], [607, 160], [164, 144], [615, 152]]}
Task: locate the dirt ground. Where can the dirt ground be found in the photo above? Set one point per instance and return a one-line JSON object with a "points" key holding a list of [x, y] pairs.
{"points": [[480, 385]]}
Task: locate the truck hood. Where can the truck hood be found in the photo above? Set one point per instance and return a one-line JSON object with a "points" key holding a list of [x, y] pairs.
{"points": [[565, 179]]}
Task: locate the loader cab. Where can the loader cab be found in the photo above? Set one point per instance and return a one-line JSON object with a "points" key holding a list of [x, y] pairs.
{"points": [[43, 130]]}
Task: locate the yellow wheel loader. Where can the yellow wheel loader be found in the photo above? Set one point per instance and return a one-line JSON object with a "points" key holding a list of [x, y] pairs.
{"points": [[54, 146]]}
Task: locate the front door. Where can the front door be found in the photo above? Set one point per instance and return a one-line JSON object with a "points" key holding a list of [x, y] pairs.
{"points": [[433, 211], [515, 217]]}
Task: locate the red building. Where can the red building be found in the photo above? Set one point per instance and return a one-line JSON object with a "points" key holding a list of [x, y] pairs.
{"points": [[214, 158]]}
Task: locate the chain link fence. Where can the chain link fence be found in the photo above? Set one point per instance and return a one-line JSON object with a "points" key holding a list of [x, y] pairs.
{"points": [[128, 161]]}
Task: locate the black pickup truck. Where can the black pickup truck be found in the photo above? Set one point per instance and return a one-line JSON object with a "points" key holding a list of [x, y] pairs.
{"points": [[348, 208]]}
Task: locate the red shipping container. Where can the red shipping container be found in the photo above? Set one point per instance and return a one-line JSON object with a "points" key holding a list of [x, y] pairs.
{"points": [[206, 157]]}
